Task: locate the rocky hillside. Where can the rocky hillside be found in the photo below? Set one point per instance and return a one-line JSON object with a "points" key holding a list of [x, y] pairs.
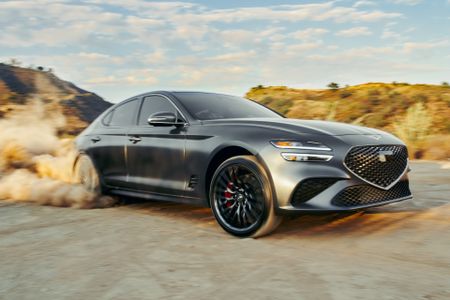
{"points": [[419, 114], [22, 87]]}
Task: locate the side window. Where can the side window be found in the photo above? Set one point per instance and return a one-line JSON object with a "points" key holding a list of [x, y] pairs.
{"points": [[154, 104], [125, 114]]}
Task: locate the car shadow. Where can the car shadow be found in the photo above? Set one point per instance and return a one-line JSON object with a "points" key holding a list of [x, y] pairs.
{"points": [[376, 220]]}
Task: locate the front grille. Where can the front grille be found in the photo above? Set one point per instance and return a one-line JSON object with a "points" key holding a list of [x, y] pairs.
{"points": [[360, 195], [380, 165], [309, 188]]}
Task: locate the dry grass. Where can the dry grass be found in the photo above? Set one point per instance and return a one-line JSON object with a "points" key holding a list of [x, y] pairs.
{"points": [[414, 128], [416, 113], [436, 147]]}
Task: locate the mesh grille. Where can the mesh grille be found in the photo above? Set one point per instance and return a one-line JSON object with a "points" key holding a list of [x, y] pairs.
{"points": [[380, 165], [309, 188], [359, 195]]}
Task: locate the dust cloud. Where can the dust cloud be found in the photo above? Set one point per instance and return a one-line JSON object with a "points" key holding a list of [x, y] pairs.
{"points": [[36, 165]]}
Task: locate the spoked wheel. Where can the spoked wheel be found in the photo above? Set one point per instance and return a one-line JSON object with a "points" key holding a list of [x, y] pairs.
{"points": [[241, 198], [86, 174]]}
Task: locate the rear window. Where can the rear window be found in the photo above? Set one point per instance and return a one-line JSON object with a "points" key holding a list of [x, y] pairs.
{"points": [[123, 115]]}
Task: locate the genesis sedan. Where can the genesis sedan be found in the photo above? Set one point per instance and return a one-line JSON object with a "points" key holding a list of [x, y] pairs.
{"points": [[245, 161]]}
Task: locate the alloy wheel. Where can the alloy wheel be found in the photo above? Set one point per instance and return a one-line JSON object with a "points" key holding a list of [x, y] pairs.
{"points": [[239, 198]]}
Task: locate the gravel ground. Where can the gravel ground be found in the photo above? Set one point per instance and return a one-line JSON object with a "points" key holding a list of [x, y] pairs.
{"points": [[145, 250]]}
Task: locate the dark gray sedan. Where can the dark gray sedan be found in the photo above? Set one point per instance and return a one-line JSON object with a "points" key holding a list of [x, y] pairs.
{"points": [[247, 162]]}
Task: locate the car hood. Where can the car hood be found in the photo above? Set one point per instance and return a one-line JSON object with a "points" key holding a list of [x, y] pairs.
{"points": [[301, 126]]}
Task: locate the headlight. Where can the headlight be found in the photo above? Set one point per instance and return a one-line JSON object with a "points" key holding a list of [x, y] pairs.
{"points": [[309, 145], [305, 157]]}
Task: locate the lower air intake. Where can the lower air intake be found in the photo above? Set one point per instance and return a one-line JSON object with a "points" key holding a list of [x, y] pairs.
{"points": [[361, 195], [309, 188]]}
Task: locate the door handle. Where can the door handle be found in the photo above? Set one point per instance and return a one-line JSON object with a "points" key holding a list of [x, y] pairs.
{"points": [[134, 139], [96, 139]]}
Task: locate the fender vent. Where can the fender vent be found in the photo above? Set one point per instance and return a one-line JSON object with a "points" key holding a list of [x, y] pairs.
{"points": [[193, 181]]}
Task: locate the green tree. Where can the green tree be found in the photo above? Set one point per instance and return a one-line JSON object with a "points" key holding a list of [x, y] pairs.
{"points": [[333, 85], [15, 62]]}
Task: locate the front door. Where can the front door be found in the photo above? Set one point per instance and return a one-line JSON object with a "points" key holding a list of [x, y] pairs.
{"points": [[155, 154]]}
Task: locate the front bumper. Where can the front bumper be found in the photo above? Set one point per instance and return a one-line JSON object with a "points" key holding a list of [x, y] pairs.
{"points": [[337, 198], [345, 192]]}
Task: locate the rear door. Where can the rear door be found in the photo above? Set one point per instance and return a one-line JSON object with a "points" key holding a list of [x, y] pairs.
{"points": [[155, 154], [109, 141]]}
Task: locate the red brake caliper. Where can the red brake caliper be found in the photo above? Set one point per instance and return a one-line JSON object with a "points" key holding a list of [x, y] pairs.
{"points": [[228, 194]]}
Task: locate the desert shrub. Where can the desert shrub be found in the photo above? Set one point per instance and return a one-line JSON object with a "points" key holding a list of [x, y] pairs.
{"points": [[445, 98], [345, 94], [375, 120], [373, 92], [437, 147], [309, 109], [373, 96], [332, 106], [280, 105], [267, 100], [394, 95], [420, 98], [414, 128]]}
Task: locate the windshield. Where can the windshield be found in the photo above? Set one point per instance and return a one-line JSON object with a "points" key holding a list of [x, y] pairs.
{"points": [[205, 106]]}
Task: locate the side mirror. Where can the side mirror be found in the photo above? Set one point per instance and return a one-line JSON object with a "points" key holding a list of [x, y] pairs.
{"points": [[164, 118]]}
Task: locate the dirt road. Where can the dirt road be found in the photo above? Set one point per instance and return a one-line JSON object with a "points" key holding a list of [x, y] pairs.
{"points": [[148, 250]]}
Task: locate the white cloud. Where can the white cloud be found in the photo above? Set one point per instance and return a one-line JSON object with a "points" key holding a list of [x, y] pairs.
{"points": [[303, 47], [237, 36], [114, 44], [98, 58], [406, 2], [309, 33], [234, 57], [132, 77], [389, 34], [61, 23], [355, 31], [364, 3], [350, 55], [409, 47]]}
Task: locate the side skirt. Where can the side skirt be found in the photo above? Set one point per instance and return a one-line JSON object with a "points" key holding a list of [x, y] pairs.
{"points": [[157, 197]]}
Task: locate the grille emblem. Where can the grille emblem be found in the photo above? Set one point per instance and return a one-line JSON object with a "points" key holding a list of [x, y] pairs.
{"points": [[383, 155], [375, 136]]}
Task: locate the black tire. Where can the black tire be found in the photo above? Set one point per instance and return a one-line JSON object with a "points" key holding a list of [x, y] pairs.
{"points": [[86, 174], [241, 198]]}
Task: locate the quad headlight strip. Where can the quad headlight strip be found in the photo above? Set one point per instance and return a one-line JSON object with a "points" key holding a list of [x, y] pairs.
{"points": [[309, 145], [305, 157]]}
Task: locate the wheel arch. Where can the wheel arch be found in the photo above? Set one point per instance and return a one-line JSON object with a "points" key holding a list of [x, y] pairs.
{"points": [[221, 155], [75, 161]]}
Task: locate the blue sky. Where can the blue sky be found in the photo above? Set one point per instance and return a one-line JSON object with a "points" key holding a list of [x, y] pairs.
{"points": [[120, 48]]}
